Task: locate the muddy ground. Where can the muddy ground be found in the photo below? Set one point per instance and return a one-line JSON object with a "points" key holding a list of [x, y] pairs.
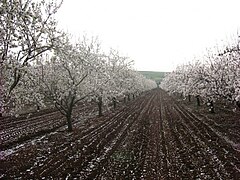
{"points": [[152, 137]]}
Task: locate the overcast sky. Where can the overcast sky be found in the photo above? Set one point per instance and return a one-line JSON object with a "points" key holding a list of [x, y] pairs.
{"points": [[156, 34]]}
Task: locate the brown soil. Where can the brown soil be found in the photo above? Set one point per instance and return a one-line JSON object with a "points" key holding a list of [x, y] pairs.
{"points": [[153, 137]]}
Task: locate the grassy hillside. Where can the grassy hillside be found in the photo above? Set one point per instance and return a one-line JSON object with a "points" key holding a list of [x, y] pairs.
{"points": [[157, 76]]}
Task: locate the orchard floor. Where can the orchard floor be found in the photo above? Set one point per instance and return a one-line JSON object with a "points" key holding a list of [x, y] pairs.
{"points": [[152, 137]]}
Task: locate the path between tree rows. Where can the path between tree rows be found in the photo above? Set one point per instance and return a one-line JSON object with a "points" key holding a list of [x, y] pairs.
{"points": [[154, 137]]}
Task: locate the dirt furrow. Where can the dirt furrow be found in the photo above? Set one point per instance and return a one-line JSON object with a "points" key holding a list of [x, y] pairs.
{"points": [[228, 163], [94, 144], [153, 137], [125, 161]]}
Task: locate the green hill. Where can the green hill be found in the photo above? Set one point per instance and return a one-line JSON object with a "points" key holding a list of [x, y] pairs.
{"points": [[154, 75]]}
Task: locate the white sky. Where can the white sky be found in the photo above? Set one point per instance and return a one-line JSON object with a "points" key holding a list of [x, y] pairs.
{"points": [[156, 34]]}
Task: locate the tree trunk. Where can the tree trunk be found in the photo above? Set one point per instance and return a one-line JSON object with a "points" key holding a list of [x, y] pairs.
{"points": [[114, 102], [38, 108], [189, 98], [1, 89], [17, 77], [69, 115], [1, 100], [133, 96], [181, 95], [69, 122], [128, 97], [198, 100], [100, 106]]}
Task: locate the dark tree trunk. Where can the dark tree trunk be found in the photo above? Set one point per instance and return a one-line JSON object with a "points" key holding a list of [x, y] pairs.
{"points": [[1, 87], [69, 114], [17, 77], [66, 110], [198, 100], [69, 122], [181, 95], [114, 102], [38, 107], [189, 98], [100, 106], [128, 97], [133, 96]]}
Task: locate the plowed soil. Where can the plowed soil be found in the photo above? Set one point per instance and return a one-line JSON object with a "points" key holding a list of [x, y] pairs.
{"points": [[152, 137]]}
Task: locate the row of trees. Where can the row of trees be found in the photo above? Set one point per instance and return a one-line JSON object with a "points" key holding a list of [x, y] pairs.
{"points": [[41, 66], [216, 76], [27, 30]]}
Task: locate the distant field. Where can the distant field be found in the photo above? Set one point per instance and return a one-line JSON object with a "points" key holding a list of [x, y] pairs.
{"points": [[157, 76]]}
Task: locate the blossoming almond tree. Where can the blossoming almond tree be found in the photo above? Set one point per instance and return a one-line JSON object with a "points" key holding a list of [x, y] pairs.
{"points": [[27, 30], [65, 77], [217, 78], [115, 78], [108, 79]]}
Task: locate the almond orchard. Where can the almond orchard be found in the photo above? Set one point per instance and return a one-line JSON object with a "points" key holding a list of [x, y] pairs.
{"points": [[70, 109]]}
